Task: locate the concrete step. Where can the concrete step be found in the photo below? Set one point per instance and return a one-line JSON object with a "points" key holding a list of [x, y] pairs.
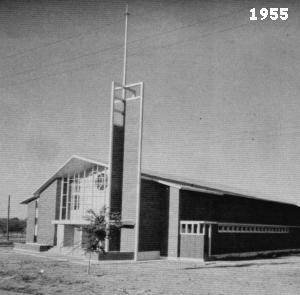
{"points": [[67, 251]]}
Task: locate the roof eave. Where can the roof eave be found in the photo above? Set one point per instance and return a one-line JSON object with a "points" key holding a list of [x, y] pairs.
{"points": [[55, 176]]}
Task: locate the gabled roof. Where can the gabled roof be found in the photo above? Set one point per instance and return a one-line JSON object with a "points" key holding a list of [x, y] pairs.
{"points": [[71, 166], [201, 186], [76, 163]]}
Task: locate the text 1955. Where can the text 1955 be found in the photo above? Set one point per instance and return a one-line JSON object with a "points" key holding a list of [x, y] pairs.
{"points": [[272, 13]]}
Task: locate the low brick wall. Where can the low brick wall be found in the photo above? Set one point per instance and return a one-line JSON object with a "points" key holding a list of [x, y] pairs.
{"points": [[113, 255]]}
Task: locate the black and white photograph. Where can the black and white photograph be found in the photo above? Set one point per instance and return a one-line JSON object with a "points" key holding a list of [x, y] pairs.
{"points": [[149, 147]]}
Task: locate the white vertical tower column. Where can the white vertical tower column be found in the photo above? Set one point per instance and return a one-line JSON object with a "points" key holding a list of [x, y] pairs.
{"points": [[124, 181]]}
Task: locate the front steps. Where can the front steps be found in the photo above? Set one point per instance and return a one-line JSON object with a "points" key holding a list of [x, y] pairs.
{"points": [[67, 251]]}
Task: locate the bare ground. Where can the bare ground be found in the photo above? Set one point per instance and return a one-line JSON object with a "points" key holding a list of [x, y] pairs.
{"points": [[28, 274]]}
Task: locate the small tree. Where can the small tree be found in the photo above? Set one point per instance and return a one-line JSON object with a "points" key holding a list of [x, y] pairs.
{"points": [[101, 226]]}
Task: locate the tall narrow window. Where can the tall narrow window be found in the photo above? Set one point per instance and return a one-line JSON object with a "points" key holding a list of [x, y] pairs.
{"points": [[64, 199], [36, 221]]}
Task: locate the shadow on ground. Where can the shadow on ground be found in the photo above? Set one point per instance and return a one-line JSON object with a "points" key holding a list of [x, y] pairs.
{"points": [[238, 265]]}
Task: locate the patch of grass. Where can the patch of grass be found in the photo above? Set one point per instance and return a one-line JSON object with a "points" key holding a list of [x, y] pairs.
{"points": [[20, 289], [29, 277], [6, 273], [30, 282]]}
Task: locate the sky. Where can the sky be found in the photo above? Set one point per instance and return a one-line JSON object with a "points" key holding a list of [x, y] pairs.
{"points": [[221, 92]]}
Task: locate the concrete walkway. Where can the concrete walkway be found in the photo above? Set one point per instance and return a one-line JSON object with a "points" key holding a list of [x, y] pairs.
{"points": [[83, 260]]}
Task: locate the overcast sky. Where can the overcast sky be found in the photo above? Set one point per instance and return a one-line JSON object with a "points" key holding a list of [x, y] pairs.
{"points": [[222, 98]]}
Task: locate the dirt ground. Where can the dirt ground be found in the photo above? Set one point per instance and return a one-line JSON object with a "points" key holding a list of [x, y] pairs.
{"points": [[28, 274]]}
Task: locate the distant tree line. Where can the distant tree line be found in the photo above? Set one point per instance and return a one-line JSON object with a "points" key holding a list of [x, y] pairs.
{"points": [[16, 225]]}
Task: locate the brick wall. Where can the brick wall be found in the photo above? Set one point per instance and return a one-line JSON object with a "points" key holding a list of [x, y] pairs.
{"points": [[202, 206], [164, 219], [30, 222], [153, 216], [117, 168], [117, 178], [159, 219], [47, 212], [207, 207]]}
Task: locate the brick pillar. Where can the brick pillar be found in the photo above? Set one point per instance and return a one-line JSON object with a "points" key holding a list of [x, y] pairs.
{"points": [[173, 235]]}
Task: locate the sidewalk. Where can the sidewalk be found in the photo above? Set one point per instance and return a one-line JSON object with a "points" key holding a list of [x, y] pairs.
{"points": [[83, 260]]}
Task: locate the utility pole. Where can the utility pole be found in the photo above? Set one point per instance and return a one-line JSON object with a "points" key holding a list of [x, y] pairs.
{"points": [[108, 213], [7, 221], [125, 53]]}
